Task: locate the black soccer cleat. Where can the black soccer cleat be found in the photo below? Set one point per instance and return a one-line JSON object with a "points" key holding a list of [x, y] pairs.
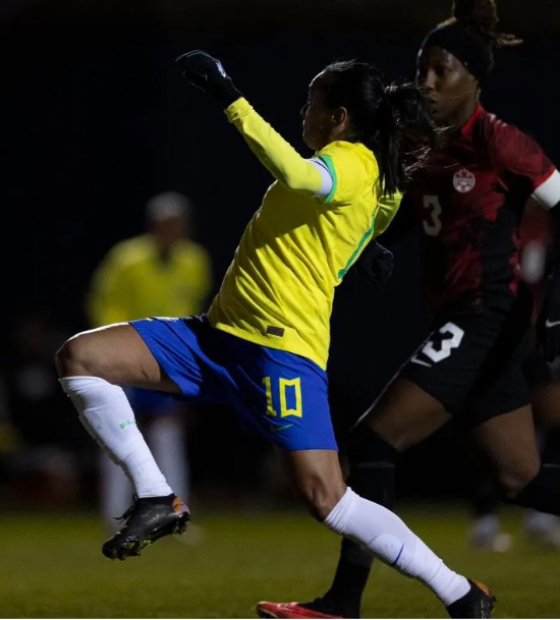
{"points": [[478, 602], [147, 520]]}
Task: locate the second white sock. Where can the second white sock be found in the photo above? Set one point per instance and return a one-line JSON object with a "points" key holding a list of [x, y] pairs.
{"points": [[387, 537]]}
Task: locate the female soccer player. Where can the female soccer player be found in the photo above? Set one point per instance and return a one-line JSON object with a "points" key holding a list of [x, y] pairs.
{"points": [[264, 343], [468, 205]]}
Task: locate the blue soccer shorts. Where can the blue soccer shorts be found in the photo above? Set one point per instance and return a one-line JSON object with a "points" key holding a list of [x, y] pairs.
{"points": [[281, 396]]}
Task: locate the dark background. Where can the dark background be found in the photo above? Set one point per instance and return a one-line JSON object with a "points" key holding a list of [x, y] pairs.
{"points": [[95, 121]]}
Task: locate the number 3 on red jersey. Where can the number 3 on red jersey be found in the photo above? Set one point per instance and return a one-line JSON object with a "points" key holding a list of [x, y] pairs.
{"points": [[432, 223]]}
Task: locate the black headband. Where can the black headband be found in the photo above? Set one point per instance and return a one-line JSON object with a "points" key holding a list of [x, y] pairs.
{"points": [[471, 49]]}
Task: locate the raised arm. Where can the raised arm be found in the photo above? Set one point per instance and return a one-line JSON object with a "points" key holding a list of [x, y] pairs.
{"points": [[278, 156]]}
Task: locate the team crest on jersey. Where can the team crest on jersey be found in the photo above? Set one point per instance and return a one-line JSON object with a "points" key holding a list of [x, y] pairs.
{"points": [[464, 181]]}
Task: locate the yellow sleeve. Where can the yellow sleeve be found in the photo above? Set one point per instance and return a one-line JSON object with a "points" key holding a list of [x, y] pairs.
{"points": [[107, 301], [388, 208], [347, 170], [280, 158]]}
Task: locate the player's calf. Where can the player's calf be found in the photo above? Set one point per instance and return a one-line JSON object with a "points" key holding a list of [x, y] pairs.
{"points": [[319, 498]]}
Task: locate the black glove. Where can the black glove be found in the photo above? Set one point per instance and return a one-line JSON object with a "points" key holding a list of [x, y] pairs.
{"points": [[548, 324], [375, 265], [207, 73]]}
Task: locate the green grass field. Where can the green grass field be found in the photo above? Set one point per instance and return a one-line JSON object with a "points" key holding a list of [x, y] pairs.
{"points": [[52, 567]]}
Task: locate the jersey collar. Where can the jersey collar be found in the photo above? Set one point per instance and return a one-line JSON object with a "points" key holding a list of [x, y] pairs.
{"points": [[467, 128]]}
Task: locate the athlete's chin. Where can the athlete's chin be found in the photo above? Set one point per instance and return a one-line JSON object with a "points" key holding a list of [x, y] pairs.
{"points": [[310, 142]]}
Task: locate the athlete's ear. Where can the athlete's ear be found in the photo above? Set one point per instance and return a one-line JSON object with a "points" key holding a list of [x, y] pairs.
{"points": [[341, 117]]}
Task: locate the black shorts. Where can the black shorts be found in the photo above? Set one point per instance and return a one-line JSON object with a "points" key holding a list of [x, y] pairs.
{"points": [[472, 363]]}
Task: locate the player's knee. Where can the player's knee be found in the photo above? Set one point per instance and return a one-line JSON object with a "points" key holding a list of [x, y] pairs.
{"points": [[513, 480], [74, 358], [320, 496]]}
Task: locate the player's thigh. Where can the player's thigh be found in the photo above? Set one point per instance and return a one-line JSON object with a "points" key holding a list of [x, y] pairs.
{"points": [[433, 385], [461, 359], [284, 398], [316, 477], [115, 353], [509, 443], [405, 414], [281, 396]]}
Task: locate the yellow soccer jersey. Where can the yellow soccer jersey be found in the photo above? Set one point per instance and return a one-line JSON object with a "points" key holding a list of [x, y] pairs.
{"points": [[279, 289], [133, 282]]}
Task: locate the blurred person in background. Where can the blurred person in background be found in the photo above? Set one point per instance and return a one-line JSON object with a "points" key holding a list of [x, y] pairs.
{"points": [[467, 205], [160, 273]]}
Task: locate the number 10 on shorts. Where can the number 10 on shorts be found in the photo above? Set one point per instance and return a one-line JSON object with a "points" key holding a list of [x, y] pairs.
{"points": [[285, 388]]}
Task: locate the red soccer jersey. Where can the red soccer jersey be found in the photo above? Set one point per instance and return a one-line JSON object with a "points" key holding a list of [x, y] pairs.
{"points": [[469, 205]]}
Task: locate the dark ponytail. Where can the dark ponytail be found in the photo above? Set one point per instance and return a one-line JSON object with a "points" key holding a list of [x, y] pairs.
{"points": [[417, 132], [393, 121]]}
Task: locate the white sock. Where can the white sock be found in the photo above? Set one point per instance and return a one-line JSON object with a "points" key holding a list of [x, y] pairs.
{"points": [[107, 415], [385, 536], [166, 438]]}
